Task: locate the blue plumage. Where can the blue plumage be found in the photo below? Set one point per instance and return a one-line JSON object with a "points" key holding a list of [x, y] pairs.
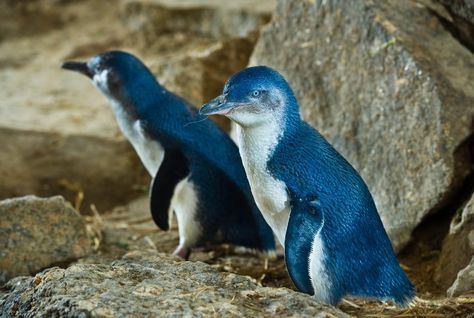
{"points": [[197, 166], [335, 242]]}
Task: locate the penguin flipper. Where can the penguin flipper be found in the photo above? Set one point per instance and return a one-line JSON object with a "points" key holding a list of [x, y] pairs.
{"points": [[306, 218], [173, 169]]}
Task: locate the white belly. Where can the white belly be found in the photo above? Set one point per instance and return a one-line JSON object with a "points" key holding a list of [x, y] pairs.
{"points": [[272, 200], [269, 193], [150, 151], [184, 204], [256, 146], [184, 201]]}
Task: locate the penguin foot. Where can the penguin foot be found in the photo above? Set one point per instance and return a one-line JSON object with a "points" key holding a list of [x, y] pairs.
{"points": [[182, 252]]}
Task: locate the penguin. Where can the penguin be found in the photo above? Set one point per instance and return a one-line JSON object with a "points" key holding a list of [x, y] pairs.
{"points": [[316, 203], [195, 166]]}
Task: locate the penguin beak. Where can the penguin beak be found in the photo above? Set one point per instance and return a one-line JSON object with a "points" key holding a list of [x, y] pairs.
{"points": [[218, 106], [78, 67]]}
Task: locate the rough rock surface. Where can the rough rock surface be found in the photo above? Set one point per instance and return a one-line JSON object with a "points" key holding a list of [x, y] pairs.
{"points": [[36, 233], [150, 284], [464, 282], [458, 248], [394, 97]]}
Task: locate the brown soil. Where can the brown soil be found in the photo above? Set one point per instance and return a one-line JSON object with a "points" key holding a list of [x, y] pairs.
{"points": [[130, 228]]}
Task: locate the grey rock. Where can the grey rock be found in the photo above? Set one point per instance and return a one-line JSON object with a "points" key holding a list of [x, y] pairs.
{"points": [[464, 281], [149, 284], [389, 87], [458, 249], [36, 233]]}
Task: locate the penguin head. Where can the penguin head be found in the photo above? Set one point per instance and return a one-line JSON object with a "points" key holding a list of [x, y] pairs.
{"points": [[119, 75], [254, 96]]}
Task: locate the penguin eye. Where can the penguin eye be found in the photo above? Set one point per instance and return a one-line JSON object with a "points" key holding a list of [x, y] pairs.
{"points": [[255, 93]]}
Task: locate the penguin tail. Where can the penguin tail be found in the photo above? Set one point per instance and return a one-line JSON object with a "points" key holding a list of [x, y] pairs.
{"points": [[401, 292], [262, 253], [405, 296], [389, 284]]}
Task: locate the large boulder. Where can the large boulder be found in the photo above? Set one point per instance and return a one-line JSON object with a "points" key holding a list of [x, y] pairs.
{"points": [[457, 250], [390, 88], [37, 233], [150, 284]]}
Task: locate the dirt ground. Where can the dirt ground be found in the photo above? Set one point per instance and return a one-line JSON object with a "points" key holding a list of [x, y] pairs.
{"points": [[131, 227]]}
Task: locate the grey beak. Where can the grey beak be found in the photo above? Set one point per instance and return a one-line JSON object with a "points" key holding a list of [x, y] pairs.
{"points": [[218, 106], [78, 67]]}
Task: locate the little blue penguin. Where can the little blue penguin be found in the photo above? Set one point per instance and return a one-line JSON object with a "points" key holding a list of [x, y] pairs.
{"points": [[316, 203], [195, 166]]}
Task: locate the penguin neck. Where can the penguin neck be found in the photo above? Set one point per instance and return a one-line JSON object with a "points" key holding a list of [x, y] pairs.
{"points": [[124, 111], [257, 142]]}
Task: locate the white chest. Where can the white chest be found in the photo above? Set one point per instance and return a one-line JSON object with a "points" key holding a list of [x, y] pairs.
{"points": [[150, 151], [256, 146]]}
